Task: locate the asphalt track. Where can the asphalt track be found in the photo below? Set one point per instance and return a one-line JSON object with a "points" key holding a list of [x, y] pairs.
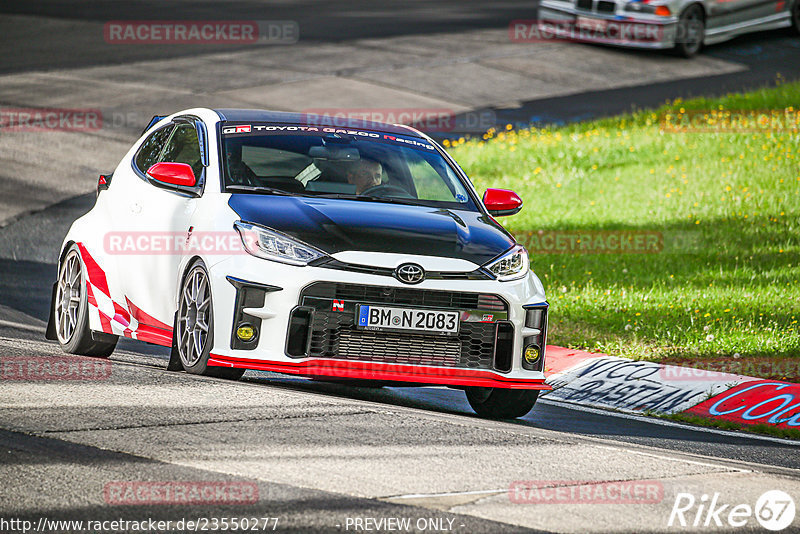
{"points": [[321, 453]]}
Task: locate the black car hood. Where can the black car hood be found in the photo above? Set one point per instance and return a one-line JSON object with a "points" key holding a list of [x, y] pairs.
{"points": [[335, 225]]}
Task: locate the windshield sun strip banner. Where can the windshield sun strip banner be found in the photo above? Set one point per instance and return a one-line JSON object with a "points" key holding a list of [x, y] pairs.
{"points": [[319, 131]]}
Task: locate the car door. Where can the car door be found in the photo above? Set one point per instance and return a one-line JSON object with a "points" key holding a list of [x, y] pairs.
{"points": [[732, 15], [157, 218]]}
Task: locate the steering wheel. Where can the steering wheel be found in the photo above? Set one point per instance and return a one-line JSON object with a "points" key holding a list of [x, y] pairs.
{"points": [[385, 190]]}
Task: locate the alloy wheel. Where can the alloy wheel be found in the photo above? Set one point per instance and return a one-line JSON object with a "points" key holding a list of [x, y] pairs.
{"points": [[68, 297], [194, 317]]}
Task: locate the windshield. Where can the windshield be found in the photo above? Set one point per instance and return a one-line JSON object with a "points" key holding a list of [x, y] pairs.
{"points": [[300, 160]]}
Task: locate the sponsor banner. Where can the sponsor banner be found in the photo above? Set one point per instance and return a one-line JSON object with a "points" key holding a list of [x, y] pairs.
{"points": [[634, 386], [200, 32], [271, 129], [128, 493], [53, 368], [785, 120], [586, 492], [770, 402]]}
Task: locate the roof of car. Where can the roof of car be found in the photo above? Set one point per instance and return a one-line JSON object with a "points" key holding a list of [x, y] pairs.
{"points": [[281, 117]]}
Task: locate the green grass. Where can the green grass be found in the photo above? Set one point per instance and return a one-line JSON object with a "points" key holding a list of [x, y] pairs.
{"points": [[733, 197], [770, 430]]}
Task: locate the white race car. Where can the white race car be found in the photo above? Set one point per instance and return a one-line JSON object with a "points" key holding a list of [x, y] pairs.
{"points": [[256, 240]]}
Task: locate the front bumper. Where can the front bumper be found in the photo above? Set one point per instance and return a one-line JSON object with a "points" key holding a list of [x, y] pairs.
{"points": [[487, 351], [559, 21]]}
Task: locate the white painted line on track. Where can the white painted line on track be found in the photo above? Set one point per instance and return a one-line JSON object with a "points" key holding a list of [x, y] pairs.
{"points": [[667, 422], [446, 494], [22, 326]]}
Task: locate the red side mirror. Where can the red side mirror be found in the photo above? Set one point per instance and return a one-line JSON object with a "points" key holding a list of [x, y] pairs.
{"points": [[501, 202], [173, 174]]}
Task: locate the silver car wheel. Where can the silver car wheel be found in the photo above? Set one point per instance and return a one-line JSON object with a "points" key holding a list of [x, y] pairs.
{"points": [[68, 297], [194, 317], [694, 30], [691, 31]]}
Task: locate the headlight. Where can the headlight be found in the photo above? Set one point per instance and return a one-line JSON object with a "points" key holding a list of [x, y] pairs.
{"points": [[271, 245], [642, 7], [512, 265]]}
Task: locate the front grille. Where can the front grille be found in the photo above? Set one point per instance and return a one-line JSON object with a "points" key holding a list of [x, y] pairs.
{"points": [[364, 294], [396, 348], [333, 334], [606, 7]]}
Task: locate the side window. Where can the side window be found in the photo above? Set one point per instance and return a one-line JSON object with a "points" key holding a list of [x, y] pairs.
{"points": [[151, 148], [429, 183], [184, 147]]}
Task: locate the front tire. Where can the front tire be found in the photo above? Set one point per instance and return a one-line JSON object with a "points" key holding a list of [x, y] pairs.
{"points": [[495, 403], [71, 310], [690, 32], [194, 325]]}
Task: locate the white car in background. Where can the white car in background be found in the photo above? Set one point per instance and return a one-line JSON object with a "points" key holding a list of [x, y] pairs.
{"points": [[682, 25]]}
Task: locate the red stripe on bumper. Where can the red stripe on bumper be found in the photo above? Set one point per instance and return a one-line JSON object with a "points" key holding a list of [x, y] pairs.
{"points": [[381, 371]]}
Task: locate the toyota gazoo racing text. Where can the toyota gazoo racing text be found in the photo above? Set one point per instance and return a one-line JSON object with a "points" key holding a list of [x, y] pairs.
{"points": [[253, 240]]}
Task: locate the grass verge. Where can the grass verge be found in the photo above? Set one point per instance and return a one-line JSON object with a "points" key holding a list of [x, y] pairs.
{"points": [[769, 430], [721, 208]]}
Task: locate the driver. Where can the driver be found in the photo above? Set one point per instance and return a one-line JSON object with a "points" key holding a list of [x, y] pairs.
{"points": [[238, 170], [365, 174]]}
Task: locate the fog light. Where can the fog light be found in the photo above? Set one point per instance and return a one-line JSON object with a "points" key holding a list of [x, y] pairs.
{"points": [[245, 332], [531, 355]]}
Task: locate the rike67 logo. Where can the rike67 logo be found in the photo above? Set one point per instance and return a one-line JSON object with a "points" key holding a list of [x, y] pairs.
{"points": [[774, 510]]}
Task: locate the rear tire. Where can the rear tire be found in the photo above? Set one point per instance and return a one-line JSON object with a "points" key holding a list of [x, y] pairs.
{"points": [[495, 403], [71, 310], [194, 326], [690, 32]]}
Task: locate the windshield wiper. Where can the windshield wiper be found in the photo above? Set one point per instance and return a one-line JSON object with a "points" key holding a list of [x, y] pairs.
{"points": [[257, 189]]}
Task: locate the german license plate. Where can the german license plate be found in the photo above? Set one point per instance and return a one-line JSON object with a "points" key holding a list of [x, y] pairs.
{"points": [[407, 319], [597, 25]]}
